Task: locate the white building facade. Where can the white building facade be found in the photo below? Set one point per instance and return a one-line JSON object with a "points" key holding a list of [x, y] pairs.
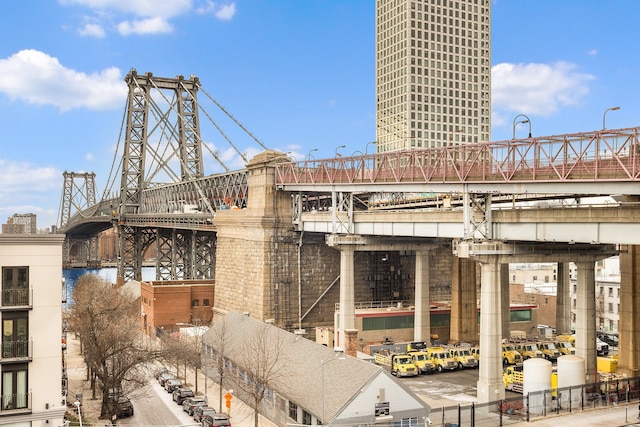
{"points": [[31, 358], [433, 73]]}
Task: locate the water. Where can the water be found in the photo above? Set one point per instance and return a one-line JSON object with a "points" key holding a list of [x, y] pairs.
{"points": [[71, 275]]}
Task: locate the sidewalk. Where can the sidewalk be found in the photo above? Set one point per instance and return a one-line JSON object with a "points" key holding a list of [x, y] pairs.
{"points": [[611, 416]]}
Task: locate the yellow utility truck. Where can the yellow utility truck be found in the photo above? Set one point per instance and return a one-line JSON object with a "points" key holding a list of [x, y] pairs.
{"points": [[513, 378], [529, 350], [441, 358], [565, 347], [401, 365], [463, 357], [418, 351], [549, 350], [510, 355]]}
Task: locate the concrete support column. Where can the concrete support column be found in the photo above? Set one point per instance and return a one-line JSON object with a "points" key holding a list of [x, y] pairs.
{"points": [[629, 324], [563, 299], [464, 305], [586, 318], [347, 298], [422, 315], [506, 300], [490, 385]]}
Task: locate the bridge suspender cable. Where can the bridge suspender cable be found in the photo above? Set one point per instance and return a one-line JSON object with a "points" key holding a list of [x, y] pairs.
{"points": [[233, 118]]}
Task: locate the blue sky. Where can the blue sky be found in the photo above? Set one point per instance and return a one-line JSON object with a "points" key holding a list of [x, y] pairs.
{"points": [[298, 74]]}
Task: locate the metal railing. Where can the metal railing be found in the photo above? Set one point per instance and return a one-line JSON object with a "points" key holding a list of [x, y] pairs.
{"points": [[16, 297], [539, 404], [16, 350], [15, 401], [608, 155]]}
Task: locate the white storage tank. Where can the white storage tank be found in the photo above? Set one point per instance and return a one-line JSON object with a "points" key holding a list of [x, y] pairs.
{"points": [[571, 373], [537, 378]]}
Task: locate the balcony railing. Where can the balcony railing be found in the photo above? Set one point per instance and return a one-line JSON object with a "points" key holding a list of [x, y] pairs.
{"points": [[16, 350], [16, 402], [20, 297]]}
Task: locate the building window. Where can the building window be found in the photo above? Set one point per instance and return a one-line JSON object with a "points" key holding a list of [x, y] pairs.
{"points": [[610, 292], [195, 302], [610, 307], [306, 418], [521, 315], [15, 286], [14, 387], [293, 411], [205, 302], [15, 335]]}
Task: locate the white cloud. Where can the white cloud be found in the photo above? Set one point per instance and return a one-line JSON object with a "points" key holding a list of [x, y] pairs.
{"points": [[37, 78], [89, 157], [143, 16], [224, 12], [13, 180], [539, 89], [592, 52], [155, 25], [92, 30], [142, 8]]}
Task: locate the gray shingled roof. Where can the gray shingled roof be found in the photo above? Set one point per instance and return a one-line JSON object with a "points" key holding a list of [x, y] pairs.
{"points": [[303, 359]]}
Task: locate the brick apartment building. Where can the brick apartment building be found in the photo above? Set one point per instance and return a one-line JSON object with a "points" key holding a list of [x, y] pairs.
{"points": [[169, 304]]}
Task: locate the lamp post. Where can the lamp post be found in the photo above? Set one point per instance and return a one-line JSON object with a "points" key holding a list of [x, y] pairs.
{"points": [[604, 116], [77, 404], [339, 147], [366, 149], [322, 363], [515, 123], [309, 154]]}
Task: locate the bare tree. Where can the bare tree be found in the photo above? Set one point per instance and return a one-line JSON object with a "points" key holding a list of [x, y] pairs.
{"points": [[107, 323], [216, 354], [261, 365], [184, 350]]}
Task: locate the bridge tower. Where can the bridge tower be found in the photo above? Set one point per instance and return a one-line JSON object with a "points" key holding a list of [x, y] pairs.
{"points": [[79, 193], [162, 129]]}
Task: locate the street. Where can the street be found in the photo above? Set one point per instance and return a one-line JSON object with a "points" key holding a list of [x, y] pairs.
{"points": [[154, 406]]}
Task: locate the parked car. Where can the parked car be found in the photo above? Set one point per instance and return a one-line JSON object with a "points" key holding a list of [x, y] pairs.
{"points": [[172, 385], [192, 403], [218, 420], [163, 378], [160, 371], [180, 394], [124, 408], [202, 411]]}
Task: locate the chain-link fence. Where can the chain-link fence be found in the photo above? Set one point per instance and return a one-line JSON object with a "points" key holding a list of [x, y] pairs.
{"points": [[538, 404]]}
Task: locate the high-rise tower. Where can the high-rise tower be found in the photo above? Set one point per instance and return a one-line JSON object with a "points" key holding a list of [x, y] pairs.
{"points": [[433, 73]]}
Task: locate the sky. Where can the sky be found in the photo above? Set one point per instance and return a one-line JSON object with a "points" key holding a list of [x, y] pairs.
{"points": [[298, 74]]}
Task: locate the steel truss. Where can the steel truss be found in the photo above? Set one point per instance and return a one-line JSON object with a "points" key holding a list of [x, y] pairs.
{"points": [[184, 254], [477, 216], [79, 192], [207, 194], [600, 156]]}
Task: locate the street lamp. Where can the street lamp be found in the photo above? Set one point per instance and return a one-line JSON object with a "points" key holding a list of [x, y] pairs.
{"points": [[77, 404], [322, 363], [366, 149], [515, 123], [604, 116], [339, 147], [309, 154]]}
